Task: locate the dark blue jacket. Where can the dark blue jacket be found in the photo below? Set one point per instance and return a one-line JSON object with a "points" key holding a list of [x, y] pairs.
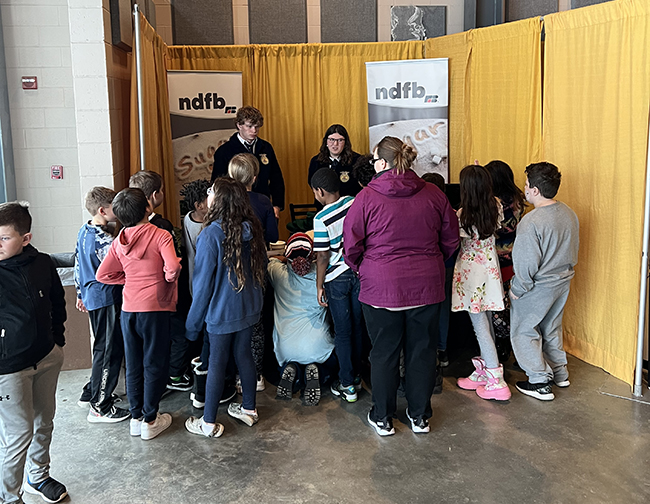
{"points": [[264, 210], [215, 302], [92, 246]]}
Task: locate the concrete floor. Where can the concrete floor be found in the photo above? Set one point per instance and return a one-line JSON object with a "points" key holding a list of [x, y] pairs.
{"points": [[586, 446]]}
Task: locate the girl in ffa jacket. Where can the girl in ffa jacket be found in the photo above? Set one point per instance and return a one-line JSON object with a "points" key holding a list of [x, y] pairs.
{"points": [[229, 273]]}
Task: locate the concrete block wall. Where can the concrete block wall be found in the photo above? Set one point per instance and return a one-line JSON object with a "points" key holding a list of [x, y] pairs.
{"points": [[43, 122]]}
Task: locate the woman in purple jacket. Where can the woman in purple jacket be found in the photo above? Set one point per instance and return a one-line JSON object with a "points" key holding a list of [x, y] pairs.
{"points": [[397, 235]]}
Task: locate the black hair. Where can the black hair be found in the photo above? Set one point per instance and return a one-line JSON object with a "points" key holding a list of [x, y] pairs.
{"points": [[436, 179], [546, 177], [16, 214], [150, 182], [479, 207], [346, 154], [503, 184], [195, 192], [130, 206], [363, 171], [327, 180]]}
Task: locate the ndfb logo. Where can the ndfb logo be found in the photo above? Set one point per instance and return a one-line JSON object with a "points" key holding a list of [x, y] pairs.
{"points": [[205, 101], [402, 91]]}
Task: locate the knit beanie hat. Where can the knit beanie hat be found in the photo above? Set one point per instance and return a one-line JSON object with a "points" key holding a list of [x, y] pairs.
{"points": [[299, 252]]}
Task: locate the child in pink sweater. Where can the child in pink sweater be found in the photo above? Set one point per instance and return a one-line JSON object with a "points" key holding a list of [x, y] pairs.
{"points": [[143, 259]]}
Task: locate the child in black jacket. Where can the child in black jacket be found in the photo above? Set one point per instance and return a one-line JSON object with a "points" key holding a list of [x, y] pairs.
{"points": [[32, 313]]}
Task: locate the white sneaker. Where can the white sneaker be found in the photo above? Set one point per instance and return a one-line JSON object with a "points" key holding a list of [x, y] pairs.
{"points": [[261, 384], [235, 410], [562, 383], [151, 430], [135, 426], [195, 426], [238, 384]]}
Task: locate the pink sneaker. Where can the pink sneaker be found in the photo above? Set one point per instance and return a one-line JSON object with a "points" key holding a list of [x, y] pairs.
{"points": [[496, 387], [477, 378]]}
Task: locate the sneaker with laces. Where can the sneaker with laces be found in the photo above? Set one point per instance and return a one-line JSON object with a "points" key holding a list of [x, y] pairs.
{"points": [[541, 391], [182, 383], [114, 415], [151, 430], [562, 383], [50, 490], [135, 426], [348, 394], [357, 383], [383, 428], [419, 425], [236, 410], [196, 426]]}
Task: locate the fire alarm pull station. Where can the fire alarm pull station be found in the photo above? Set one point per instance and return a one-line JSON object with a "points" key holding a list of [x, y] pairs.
{"points": [[56, 172], [30, 82]]}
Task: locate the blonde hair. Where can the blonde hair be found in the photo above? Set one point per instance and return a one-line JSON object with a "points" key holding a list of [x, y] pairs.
{"points": [[244, 168], [98, 197], [397, 154]]}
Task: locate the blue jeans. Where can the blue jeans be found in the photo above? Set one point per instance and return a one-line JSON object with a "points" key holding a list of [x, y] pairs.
{"points": [[221, 346], [343, 300]]}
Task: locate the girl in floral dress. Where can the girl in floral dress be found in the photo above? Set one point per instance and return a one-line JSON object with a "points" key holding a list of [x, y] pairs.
{"points": [[477, 286]]}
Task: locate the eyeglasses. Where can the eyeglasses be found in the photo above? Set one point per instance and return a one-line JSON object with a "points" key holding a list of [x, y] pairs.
{"points": [[210, 191], [373, 161], [336, 140]]}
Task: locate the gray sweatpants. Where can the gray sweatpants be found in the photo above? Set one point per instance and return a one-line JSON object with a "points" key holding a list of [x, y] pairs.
{"points": [[536, 333], [27, 409]]}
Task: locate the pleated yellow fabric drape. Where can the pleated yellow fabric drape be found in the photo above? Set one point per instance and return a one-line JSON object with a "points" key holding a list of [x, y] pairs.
{"points": [[495, 94], [596, 99], [286, 89], [158, 139], [457, 48]]}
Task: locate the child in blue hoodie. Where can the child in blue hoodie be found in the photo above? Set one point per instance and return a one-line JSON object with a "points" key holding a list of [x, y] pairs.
{"points": [[229, 272]]}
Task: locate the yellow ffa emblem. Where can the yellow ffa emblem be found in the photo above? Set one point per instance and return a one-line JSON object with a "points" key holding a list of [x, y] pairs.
{"points": [[345, 177], [264, 159]]}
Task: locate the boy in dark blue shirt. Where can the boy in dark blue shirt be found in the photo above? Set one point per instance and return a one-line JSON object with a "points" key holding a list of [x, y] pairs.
{"points": [[103, 304]]}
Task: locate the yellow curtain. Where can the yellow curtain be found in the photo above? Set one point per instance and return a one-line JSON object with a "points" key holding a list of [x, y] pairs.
{"points": [[596, 99], [495, 94], [457, 48], [158, 140]]}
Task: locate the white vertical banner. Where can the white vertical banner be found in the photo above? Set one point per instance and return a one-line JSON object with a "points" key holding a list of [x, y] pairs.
{"points": [[202, 108], [409, 99]]}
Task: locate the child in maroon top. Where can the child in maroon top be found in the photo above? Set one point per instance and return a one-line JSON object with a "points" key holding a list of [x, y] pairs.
{"points": [[143, 259]]}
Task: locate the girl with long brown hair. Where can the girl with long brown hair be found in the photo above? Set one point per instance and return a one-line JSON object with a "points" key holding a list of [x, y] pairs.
{"points": [[229, 273], [477, 286]]}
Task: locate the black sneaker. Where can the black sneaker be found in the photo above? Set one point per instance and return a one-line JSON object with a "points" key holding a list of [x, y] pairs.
{"points": [[443, 358], [114, 415], [419, 425], [383, 428], [541, 391], [50, 490], [182, 383]]}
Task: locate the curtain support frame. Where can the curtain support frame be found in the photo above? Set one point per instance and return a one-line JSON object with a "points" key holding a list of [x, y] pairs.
{"points": [[137, 33], [638, 372]]}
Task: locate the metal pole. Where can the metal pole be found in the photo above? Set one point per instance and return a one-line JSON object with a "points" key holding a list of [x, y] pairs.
{"points": [[138, 80], [638, 375]]}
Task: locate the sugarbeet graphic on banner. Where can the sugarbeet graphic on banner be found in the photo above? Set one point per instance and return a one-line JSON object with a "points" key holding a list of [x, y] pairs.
{"points": [[202, 107], [410, 100]]}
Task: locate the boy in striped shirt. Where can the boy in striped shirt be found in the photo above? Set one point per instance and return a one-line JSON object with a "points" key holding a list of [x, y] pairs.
{"points": [[337, 285]]}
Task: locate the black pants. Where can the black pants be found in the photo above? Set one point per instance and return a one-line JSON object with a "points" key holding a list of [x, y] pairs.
{"points": [[179, 357], [108, 352], [146, 344], [416, 331]]}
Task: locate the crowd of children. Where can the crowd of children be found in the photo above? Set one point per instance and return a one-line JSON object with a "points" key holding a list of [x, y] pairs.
{"points": [[363, 260]]}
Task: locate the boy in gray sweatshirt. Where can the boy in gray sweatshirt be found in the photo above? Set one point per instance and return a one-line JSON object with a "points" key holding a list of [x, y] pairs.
{"points": [[544, 255]]}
